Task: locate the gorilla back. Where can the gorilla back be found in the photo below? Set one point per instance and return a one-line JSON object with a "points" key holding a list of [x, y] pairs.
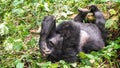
{"points": [[69, 38]]}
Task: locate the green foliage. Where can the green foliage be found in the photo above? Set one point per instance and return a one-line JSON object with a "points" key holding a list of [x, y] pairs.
{"points": [[19, 46], [3, 29], [17, 2], [95, 59], [110, 23], [20, 65], [110, 0], [112, 11]]}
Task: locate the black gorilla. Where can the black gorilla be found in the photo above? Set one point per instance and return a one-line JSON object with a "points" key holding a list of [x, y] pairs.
{"points": [[70, 37]]}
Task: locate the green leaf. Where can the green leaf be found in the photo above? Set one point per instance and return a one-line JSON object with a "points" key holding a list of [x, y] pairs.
{"points": [[116, 46], [82, 55], [20, 65], [108, 23], [112, 11], [17, 2], [86, 66], [18, 11], [65, 66], [62, 61], [46, 6], [9, 46], [115, 25], [64, 14], [3, 29], [18, 45], [74, 64], [54, 65], [46, 65], [104, 0], [116, 0], [90, 56]]}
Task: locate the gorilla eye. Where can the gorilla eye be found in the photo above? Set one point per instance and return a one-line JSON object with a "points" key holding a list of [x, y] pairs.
{"points": [[50, 43]]}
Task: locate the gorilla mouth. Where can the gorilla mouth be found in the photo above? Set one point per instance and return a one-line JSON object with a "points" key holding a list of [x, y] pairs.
{"points": [[46, 53], [46, 49]]}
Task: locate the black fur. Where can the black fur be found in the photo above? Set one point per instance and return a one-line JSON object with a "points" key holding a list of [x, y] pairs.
{"points": [[100, 20], [81, 15], [70, 37], [70, 31]]}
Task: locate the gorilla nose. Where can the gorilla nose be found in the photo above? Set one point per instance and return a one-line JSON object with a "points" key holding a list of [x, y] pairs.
{"points": [[46, 50]]}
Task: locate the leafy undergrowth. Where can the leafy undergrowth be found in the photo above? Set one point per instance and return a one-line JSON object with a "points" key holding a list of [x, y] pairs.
{"points": [[20, 25], [31, 58]]}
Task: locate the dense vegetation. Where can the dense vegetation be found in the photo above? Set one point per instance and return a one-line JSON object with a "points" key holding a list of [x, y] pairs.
{"points": [[20, 25]]}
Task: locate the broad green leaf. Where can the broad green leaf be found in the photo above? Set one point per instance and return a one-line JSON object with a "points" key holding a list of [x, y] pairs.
{"points": [[46, 6], [112, 11], [54, 65], [17, 61], [116, 0], [46, 65], [18, 45], [90, 56], [64, 14], [20, 65], [62, 62], [82, 55], [65, 66], [74, 64], [8, 46], [108, 24], [18, 11], [116, 25], [86, 66], [17, 2], [104, 0], [3, 29], [111, 24]]}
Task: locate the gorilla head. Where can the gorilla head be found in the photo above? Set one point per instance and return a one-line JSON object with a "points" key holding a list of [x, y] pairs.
{"points": [[70, 37], [50, 42], [46, 29]]}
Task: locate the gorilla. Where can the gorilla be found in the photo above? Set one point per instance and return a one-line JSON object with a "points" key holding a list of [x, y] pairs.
{"points": [[65, 41]]}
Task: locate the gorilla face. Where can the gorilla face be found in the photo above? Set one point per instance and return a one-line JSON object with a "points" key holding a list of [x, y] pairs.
{"points": [[52, 47], [45, 48], [49, 40], [46, 29]]}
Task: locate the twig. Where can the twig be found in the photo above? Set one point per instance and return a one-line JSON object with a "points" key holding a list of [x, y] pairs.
{"points": [[101, 64]]}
